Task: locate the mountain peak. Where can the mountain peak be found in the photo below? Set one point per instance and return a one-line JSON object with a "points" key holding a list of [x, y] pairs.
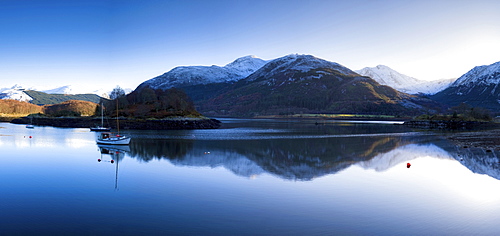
{"points": [[246, 64]]}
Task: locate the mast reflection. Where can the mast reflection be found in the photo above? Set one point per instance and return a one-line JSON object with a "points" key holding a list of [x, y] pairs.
{"points": [[112, 154]]}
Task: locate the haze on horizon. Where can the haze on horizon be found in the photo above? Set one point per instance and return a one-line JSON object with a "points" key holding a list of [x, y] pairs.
{"points": [[100, 44]]}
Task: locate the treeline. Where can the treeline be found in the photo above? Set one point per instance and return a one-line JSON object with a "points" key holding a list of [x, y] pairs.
{"points": [[150, 103], [462, 112]]}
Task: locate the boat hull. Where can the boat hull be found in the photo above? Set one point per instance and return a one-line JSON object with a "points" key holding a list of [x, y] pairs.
{"points": [[114, 141], [110, 139]]}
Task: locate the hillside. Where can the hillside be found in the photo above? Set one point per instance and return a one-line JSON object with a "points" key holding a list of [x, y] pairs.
{"points": [[71, 108], [9, 107], [41, 98]]}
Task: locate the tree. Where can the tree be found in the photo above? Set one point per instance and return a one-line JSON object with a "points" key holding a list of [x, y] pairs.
{"points": [[116, 93]]}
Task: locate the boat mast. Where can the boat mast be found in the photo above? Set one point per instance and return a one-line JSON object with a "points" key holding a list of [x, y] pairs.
{"points": [[102, 115], [117, 123]]}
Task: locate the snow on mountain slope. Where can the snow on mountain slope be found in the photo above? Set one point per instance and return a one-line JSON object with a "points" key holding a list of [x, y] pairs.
{"points": [[67, 89], [387, 76], [15, 92], [486, 75], [194, 75]]}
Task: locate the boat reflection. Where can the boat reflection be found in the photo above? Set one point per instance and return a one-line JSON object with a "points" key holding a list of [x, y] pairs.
{"points": [[112, 154]]}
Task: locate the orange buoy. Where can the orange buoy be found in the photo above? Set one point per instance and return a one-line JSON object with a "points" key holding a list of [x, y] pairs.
{"points": [[408, 165]]}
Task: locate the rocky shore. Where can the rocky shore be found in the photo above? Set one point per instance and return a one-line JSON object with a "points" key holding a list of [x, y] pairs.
{"points": [[149, 124], [484, 139]]}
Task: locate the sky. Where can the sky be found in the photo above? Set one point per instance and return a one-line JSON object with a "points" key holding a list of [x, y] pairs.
{"points": [[101, 44]]}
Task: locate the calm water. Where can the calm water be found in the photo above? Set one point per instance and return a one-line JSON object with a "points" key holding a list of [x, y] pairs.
{"points": [[250, 177]]}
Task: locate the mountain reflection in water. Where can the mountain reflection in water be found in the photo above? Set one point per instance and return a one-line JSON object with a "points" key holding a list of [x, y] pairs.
{"points": [[306, 159]]}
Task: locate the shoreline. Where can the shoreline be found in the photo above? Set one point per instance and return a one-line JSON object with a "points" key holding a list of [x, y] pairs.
{"points": [[484, 139], [125, 123]]}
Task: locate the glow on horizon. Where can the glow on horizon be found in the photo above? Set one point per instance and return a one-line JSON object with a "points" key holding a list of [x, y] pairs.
{"points": [[101, 44]]}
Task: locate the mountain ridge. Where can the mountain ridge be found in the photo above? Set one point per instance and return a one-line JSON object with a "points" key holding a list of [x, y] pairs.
{"points": [[403, 83], [195, 75], [478, 87], [304, 83]]}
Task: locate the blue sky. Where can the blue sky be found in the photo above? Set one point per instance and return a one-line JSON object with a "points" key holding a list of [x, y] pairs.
{"points": [[101, 44]]}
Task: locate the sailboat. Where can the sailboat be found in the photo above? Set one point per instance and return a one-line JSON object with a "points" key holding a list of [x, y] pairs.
{"points": [[30, 125], [109, 138], [101, 128]]}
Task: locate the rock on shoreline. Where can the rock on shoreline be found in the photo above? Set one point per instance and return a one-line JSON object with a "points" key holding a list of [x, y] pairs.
{"points": [[87, 122]]}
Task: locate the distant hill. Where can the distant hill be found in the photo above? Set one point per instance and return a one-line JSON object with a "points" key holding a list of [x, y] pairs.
{"points": [[41, 98]]}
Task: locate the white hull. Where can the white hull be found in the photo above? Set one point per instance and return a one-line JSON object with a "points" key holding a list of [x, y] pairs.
{"points": [[114, 140]]}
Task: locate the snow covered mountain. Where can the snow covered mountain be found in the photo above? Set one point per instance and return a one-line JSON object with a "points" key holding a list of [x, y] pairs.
{"points": [[478, 87], [15, 92], [195, 75], [387, 76], [305, 84], [480, 75]]}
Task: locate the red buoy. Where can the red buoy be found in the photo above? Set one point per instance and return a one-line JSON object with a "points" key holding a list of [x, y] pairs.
{"points": [[30, 136], [112, 161], [98, 160], [408, 165]]}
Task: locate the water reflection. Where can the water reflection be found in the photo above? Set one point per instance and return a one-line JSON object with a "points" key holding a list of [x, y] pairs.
{"points": [[306, 159], [479, 161], [113, 154]]}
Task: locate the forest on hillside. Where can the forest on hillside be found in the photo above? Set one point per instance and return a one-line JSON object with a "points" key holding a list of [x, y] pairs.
{"points": [[149, 103]]}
